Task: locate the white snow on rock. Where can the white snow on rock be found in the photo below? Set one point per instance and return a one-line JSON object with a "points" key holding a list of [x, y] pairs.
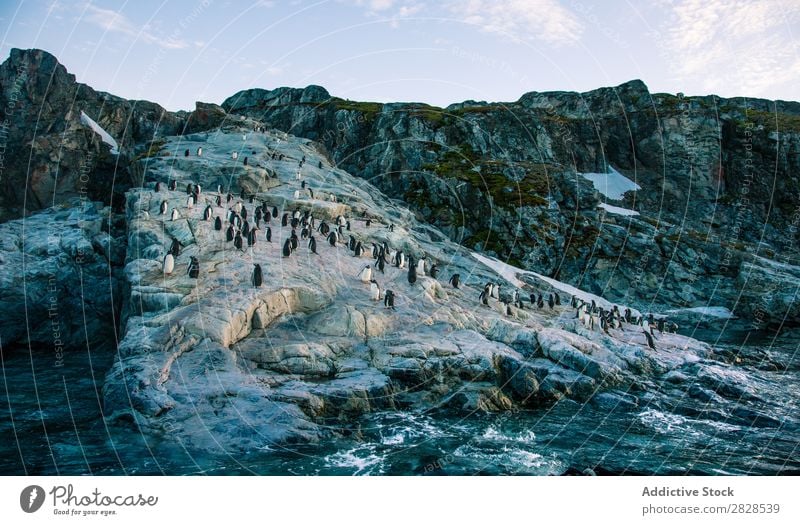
{"points": [[104, 135], [613, 184], [617, 210], [709, 311]]}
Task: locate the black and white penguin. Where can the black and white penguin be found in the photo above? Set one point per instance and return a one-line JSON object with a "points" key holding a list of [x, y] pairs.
{"points": [[421, 267], [219, 201], [258, 277], [274, 212], [381, 263], [218, 224], [551, 302], [434, 271], [312, 244], [351, 243], [158, 186], [207, 213], [332, 238], [388, 299], [268, 234], [540, 301], [367, 223], [229, 234], [628, 315], [186, 153], [287, 248], [163, 208], [175, 248], [175, 215], [244, 213], [285, 219], [237, 241], [455, 279], [189, 188], [251, 237], [412, 274], [391, 227], [557, 298], [304, 233], [194, 268], [484, 296], [293, 241], [169, 264], [199, 152], [649, 338], [173, 185], [374, 290], [365, 275], [358, 251]]}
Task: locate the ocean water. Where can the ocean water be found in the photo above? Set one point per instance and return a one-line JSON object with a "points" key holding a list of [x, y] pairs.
{"points": [[51, 424]]}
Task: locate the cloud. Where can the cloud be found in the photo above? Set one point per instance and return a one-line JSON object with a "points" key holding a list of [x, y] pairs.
{"points": [[114, 22], [745, 45], [521, 20]]}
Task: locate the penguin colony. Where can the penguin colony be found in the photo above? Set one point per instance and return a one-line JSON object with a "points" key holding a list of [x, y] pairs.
{"points": [[238, 225]]}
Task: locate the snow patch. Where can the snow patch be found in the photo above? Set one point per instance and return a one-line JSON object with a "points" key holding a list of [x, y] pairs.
{"points": [[104, 135], [613, 184], [709, 311], [617, 210]]}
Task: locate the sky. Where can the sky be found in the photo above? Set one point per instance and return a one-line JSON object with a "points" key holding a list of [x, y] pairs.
{"points": [[437, 52]]}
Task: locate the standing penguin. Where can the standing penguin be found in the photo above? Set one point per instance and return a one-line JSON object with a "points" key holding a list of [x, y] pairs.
{"points": [[175, 248], [312, 244], [285, 219], [557, 298], [550, 301], [374, 290], [268, 234], [421, 267], [173, 184], [169, 264], [365, 275], [194, 268], [293, 240], [158, 186], [388, 299], [251, 237], [237, 241], [257, 276], [412, 274], [455, 279], [274, 212], [190, 201], [207, 213], [229, 234], [434, 271], [332, 238], [200, 152], [163, 209], [649, 338], [218, 224], [174, 214], [484, 296], [287, 248]]}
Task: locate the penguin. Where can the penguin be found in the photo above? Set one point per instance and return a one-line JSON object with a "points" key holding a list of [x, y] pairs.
{"points": [[627, 315], [244, 213], [412, 274], [293, 241], [455, 279], [268, 234], [173, 185], [235, 155], [158, 186], [163, 208], [484, 296], [421, 267], [229, 234], [365, 275], [257, 275], [219, 200], [650, 341], [304, 233], [251, 237], [174, 214], [347, 225], [246, 229], [399, 259], [558, 299], [287, 248], [434, 271], [388, 299], [237, 241], [175, 248], [540, 301], [207, 213], [550, 301], [186, 153], [312, 244], [494, 290], [367, 223], [199, 152], [381, 264], [374, 290], [194, 268], [660, 325], [285, 219], [351, 244], [296, 194], [245, 161], [391, 227], [359, 250], [189, 189], [303, 185], [332, 238], [169, 264]]}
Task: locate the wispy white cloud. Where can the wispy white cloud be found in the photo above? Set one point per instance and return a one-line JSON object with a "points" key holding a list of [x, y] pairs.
{"points": [[115, 22], [522, 20], [743, 45]]}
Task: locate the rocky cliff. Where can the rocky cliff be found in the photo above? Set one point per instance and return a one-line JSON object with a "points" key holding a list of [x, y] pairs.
{"points": [[719, 184]]}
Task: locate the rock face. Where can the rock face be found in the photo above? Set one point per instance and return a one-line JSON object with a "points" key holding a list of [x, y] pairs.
{"points": [[60, 284], [224, 365], [718, 179]]}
